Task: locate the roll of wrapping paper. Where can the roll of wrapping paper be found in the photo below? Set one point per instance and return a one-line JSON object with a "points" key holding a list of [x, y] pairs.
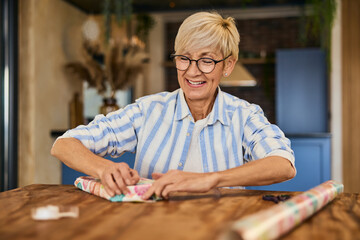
{"points": [[280, 219]]}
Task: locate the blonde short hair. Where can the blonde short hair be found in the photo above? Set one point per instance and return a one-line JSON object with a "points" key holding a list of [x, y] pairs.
{"points": [[208, 29]]}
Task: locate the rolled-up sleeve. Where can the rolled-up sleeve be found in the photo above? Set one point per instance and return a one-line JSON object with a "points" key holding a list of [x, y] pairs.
{"points": [[112, 134], [263, 139]]}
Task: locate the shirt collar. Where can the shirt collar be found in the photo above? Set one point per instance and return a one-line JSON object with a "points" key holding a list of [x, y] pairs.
{"points": [[182, 109], [217, 113]]}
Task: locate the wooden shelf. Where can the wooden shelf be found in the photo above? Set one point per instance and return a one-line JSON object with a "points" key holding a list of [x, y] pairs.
{"points": [[169, 64], [57, 132], [256, 60]]}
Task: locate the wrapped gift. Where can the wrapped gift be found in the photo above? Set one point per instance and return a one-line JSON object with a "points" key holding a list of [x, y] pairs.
{"points": [[93, 185]]}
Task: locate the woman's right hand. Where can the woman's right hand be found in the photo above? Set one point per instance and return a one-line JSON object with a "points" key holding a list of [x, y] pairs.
{"points": [[114, 176], [117, 176]]}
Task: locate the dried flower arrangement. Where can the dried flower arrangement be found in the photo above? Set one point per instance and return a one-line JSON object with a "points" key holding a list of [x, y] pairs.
{"points": [[116, 61], [118, 67]]}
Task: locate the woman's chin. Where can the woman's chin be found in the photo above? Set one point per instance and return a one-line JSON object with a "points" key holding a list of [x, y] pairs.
{"points": [[196, 96]]}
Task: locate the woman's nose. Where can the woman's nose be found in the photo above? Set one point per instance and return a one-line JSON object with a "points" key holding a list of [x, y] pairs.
{"points": [[193, 69]]}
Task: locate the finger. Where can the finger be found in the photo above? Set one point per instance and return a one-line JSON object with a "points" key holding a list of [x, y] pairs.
{"points": [[159, 187], [157, 175], [134, 176], [118, 181], [125, 174], [168, 189], [122, 186], [108, 190], [148, 193], [109, 185], [156, 188]]}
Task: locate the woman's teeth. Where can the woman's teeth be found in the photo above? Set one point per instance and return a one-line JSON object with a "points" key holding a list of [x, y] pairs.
{"points": [[195, 83]]}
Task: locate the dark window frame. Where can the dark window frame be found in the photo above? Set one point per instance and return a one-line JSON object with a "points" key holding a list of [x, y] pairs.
{"points": [[8, 94]]}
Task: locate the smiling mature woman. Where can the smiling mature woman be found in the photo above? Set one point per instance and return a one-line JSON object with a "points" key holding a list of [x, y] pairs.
{"points": [[193, 139]]}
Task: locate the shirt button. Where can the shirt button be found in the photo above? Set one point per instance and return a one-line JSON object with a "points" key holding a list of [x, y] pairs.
{"points": [[180, 164], [188, 134]]}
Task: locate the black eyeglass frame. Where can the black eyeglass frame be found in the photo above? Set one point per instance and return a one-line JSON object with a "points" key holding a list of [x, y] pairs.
{"points": [[172, 56]]}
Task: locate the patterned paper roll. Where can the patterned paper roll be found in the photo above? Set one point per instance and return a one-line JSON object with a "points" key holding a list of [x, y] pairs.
{"points": [[93, 185], [276, 221]]}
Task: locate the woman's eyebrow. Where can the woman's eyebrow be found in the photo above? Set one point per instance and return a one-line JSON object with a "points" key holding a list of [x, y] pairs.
{"points": [[207, 54], [211, 54]]}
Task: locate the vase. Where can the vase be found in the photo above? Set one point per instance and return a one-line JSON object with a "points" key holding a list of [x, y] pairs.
{"points": [[109, 105], [76, 111]]}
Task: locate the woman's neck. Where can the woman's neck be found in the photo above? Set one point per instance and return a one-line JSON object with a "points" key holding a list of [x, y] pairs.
{"points": [[200, 109]]}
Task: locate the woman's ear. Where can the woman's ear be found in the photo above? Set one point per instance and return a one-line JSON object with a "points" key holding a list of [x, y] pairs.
{"points": [[229, 66]]}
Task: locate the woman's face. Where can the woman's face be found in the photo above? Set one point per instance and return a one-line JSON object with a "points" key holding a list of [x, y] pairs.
{"points": [[198, 86]]}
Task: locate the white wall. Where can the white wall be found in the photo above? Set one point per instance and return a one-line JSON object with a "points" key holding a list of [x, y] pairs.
{"points": [[156, 77], [336, 99], [48, 38]]}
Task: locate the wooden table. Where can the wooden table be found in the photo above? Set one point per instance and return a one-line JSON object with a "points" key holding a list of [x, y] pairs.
{"points": [[184, 216]]}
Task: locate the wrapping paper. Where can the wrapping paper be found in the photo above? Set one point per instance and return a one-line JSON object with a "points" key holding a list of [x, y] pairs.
{"points": [[276, 221], [93, 185]]}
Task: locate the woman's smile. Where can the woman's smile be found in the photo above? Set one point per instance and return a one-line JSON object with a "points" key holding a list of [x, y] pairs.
{"points": [[195, 83]]}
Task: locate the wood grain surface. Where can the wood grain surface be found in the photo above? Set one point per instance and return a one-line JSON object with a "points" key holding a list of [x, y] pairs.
{"points": [[184, 216], [350, 12]]}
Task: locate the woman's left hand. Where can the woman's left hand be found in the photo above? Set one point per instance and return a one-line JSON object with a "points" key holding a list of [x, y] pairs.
{"points": [[179, 181]]}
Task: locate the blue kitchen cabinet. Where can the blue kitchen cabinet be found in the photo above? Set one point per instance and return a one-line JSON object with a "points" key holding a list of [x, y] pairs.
{"points": [[301, 91], [69, 175], [302, 113], [312, 161]]}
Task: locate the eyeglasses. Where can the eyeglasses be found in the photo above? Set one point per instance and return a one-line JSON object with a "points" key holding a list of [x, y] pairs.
{"points": [[205, 65]]}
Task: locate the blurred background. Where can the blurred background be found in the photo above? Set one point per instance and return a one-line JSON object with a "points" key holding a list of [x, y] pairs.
{"points": [[64, 61]]}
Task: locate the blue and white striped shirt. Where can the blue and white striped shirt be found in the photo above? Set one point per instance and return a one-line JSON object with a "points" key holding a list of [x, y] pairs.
{"points": [[159, 129]]}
